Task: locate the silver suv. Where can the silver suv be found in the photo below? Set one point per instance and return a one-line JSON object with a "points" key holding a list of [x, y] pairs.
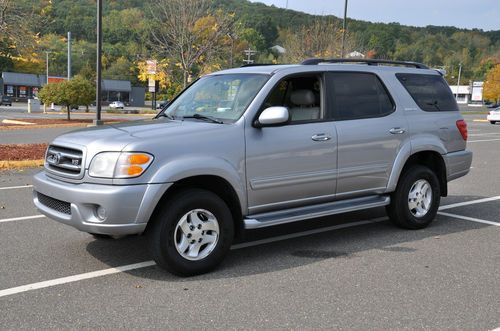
{"points": [[261, 146]]}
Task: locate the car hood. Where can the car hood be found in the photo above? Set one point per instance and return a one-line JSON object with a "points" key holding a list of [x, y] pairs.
{"points": [[116, 137]]}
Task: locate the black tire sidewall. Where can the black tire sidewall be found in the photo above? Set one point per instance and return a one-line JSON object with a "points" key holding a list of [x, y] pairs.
{"points": [[165, 252], [403, 213]]}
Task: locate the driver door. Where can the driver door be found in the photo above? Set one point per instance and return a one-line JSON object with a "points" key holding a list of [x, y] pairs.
{"points": [[294, 164]]}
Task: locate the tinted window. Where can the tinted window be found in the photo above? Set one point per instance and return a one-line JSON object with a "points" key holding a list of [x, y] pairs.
{"points": [[430, 92], [355, 95]]}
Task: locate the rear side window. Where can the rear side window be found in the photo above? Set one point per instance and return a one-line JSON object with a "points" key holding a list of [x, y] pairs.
{"points": [[354, 95], [430, 92]]}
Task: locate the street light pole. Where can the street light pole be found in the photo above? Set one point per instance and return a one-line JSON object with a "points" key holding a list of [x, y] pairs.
{"points": [[69, 55], [47, 66], [344, 27], [458, 82], [98, 120]]}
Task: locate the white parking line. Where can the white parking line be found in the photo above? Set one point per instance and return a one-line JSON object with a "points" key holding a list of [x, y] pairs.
{"points": [[75, 278], [478, 141], [466, 203], [484, 134], [465, 218], [5, 220], [110, 271], [15, 187]]}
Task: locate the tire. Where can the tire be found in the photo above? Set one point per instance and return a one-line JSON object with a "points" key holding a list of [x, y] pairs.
{"points": [[182, 213], [399, 210], [493, 122]]}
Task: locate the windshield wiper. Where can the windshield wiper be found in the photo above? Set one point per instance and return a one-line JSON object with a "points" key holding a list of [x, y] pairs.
{"points": [[205, 118], [435, 104], [170, 117]]}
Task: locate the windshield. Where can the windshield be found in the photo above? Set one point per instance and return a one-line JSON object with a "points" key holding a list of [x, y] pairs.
{"points": [[223, 97]]}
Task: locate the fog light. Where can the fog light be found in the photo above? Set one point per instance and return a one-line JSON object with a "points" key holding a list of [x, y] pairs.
{"points": [[101, 213]]}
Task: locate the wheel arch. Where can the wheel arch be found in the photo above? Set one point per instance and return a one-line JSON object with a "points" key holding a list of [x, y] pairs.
{"points": [[429, 158], [212, 183]]}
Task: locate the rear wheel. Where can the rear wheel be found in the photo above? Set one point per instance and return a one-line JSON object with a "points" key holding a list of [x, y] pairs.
{"points": [[493, 122], [192, 233], [415, 202]]}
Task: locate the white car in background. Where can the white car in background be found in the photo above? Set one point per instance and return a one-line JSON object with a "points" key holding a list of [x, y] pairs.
{"points": [[494, 115], [117, 105]]}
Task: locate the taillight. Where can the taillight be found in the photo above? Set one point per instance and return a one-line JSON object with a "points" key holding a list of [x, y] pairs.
{"points": [[462, 127]]}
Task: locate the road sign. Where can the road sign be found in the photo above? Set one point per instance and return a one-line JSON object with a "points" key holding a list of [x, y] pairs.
{"points": [[151, 67]]}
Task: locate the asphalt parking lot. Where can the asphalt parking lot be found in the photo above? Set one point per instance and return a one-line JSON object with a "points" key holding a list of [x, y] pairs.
{"points": [[351, 271]]}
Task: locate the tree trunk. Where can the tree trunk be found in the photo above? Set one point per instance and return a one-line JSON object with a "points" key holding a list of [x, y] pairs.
{"points": [[87, 108], [69, 111], [186, 75]]}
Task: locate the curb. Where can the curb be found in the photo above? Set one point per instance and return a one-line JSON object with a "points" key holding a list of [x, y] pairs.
{"points": [[6, 165]]}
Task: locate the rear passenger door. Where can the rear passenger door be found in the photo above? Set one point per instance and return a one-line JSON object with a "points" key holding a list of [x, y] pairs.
{"points": [[370, 131]]}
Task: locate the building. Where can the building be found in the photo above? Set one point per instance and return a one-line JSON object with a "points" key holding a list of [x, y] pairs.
{"points": [[22, 87], [468, 94], [464, 93]]}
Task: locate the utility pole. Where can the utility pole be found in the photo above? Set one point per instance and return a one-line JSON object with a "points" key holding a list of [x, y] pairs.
{"points": [[286, 4], [344, 28], [98, 120], [249, 53], [69, 55], [458, 82]]}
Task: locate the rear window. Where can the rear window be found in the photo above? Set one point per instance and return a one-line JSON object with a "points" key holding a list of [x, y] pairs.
{"points": [[430, 92]]}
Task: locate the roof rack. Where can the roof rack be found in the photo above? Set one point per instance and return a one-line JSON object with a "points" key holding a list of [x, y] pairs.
{"points": [[366, 61], [258, 64]]}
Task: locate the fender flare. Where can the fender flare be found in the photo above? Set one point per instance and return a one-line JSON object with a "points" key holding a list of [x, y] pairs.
{"points": [[179, 169]]}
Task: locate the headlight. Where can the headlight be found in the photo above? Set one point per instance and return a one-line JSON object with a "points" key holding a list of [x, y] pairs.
{"points": [[119, 165]]}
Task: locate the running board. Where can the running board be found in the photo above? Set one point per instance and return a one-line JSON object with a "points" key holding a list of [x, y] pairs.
{"points": [[303, 213]]}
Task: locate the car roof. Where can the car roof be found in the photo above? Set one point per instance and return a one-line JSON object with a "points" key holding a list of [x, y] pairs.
{"points": [[297, 68]]}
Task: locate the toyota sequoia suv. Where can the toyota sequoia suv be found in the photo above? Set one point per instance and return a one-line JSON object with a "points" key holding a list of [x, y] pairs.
{"points": [[261, 146]]}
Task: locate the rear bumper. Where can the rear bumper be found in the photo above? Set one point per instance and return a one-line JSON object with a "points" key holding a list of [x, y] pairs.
{"points": [[494, 117], [128, 208], [457, 164]]}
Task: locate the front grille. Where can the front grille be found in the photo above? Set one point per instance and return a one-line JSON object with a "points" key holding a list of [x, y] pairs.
{"points": [[57, 205], [64, 161]]}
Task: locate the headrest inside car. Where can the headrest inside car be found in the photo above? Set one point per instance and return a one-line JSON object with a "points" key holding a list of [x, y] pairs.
{"points": [[302, 98]]}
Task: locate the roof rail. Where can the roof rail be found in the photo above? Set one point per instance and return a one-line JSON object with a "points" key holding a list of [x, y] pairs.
{"points": [[258, 64], [366, 61]]}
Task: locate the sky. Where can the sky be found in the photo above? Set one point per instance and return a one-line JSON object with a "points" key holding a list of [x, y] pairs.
{"points": [[480, 14]]}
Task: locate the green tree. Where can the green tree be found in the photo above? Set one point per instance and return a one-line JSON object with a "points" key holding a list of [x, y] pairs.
{"points": [[76, 91]]}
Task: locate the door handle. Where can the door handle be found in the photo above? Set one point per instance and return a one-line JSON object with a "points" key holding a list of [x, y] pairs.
{"points": [[397, 131], [321, 137]]}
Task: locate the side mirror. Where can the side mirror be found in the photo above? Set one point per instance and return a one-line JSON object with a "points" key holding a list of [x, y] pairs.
{"points": [[273, 116]]}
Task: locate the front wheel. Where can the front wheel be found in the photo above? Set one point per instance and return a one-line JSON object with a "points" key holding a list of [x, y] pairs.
{"points": [[493, 122], [415, 202], [191, 233]]}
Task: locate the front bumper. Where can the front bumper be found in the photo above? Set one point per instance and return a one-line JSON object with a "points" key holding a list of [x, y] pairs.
{"points": [[457, 164], [128, 208]]}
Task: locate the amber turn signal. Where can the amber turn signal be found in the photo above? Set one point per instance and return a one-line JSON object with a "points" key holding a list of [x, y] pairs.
{"points": [[138, 159]]}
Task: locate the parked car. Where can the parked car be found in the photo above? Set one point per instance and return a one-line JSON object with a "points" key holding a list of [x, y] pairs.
{"points": [[117, 105], [6, 101], [494, 116], [296, 142]]}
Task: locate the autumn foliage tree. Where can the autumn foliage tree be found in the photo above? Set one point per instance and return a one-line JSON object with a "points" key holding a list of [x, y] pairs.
{"points": [[491, 88], [188, 32]]}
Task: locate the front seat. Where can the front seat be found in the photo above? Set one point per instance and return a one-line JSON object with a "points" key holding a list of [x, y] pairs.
{"points": [[304, 106]]}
